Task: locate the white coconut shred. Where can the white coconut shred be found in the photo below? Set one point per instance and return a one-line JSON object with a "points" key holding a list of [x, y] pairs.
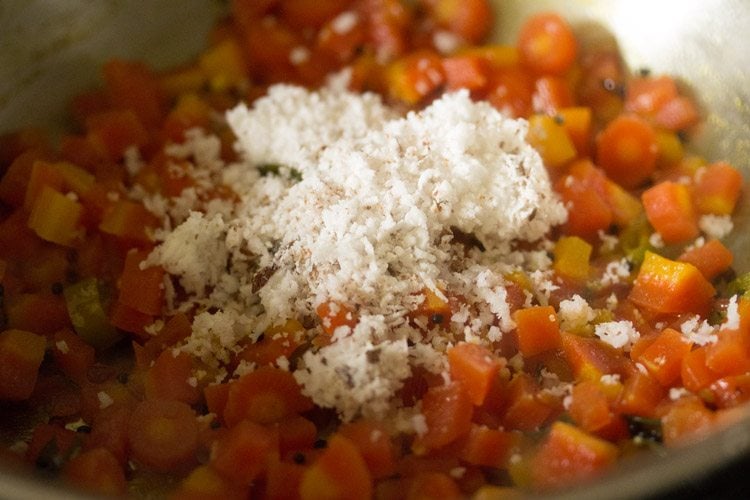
{"points": [[343, 200]]}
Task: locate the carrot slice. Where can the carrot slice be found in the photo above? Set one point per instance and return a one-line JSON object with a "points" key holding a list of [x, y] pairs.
{"points": [[547, 44], [627, 150], [163, 435], [264, 396]]}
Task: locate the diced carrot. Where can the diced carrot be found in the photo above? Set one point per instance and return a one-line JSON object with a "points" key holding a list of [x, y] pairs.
{"points": [[646, 95], [115, 131], [510, 90], [488, 447], [685, 420], [109, 430], [669, 209], [374, 443], [169, 378], [465, 72], [388, 22], [132, 86], [626, 208], [537, 330], [302, 14], [243, 453], [21, 355], [667, 286], [96, 471], [72, 355], [14, 181], [433, 486], [190, 112], [627, 150], [576, 120], [549, 138], [130, 320], [589, 407], [582, 190], [216, 396], [590, 358], [547, 44], [141, 289], [224, 65], [717, 188], [496, 56], [551, 94], [640, 395], [277, 342], [475, 367], [264, 396], [295, 433], [129, 221], [340, 472], [204, 483], [469, 19], [56, 218], [342, 44], [40, 313], [283, 480], [678, 113], [415, 76], [694, 373], [671, 150], [61, 176], [730, 354], [732, 391], [711, 258], [572, 256], [663, 358], [334, 315], [163, 435], [569, 455], [447, 410], [524, 412]]}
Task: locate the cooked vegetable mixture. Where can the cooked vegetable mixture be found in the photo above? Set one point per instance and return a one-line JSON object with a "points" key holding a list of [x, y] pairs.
{"points": [[354, 251]]}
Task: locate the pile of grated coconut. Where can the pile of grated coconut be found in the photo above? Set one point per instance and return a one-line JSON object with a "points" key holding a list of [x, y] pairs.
{"points": [[340, 199]]}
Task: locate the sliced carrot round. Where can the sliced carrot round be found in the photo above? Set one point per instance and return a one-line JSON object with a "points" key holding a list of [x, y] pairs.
{"points": [[547, 44], [163, 435], [627, 150]]}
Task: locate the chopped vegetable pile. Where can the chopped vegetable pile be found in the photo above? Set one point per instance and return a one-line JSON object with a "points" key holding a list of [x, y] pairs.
{"points": [[173, 323]]}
